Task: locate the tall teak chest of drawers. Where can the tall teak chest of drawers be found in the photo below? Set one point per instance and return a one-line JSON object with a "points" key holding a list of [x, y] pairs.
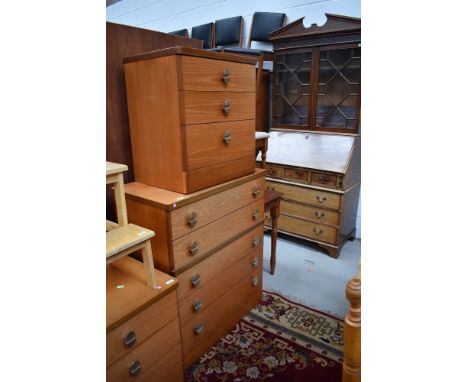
{"points": [[212, 241], [192, 117]]}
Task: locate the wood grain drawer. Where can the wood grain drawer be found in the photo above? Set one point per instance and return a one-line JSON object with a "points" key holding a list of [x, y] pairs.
{"points": [[207, 107], [324, 180], [319, 215], [207, 293], [306, 195], [195, 245], [308, 229], [222, 260], [274, 171], [147, 353], [198, 214], [203, 74], [209, 144], [296, 175], [220, 317], [137, 329]]}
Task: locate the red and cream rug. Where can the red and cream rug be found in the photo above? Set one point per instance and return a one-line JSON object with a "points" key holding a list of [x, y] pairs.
{"points": [[279, 340]]}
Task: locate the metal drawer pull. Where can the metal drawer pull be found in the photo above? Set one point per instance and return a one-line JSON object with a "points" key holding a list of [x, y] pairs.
{"points": [[319, 214], [192, 219], [130, 339], [318, 231], [196, 280], [197, 305], [198, 329], [321, 199], [193, 248], [255, 214], [226, 76], [255, 262], [255, 281], [323, 179], [227, 137], [226, 106], [255, 241], [256, 191], [134, 368]]}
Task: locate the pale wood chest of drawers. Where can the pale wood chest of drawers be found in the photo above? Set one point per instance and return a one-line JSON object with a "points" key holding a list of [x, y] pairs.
{"points": [[319, 176], [192, 117], [143, 332]]}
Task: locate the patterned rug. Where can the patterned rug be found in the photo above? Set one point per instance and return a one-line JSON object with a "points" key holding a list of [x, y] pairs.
{"points": [[279, 340]]}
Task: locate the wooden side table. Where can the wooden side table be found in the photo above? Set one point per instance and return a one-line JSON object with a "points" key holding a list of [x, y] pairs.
{"points": [[272, 206]]}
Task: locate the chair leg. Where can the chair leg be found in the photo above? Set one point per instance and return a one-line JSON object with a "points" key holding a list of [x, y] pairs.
{"points": [[149, 265]]}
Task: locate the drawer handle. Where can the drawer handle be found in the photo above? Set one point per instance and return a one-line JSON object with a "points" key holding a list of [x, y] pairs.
{"points": [[134, 368], [318, 232], [255, 281], [319, 214], [192, 219], [256, 191], [323, 179], [193, 248], [255, 214], [321, 199], [226, 75], [255, 241], [197, 305], [255, 262], [271, 171], [130, 339], [300, 173], [196, 280], [226, 106], [198, 329], [227, 137]]}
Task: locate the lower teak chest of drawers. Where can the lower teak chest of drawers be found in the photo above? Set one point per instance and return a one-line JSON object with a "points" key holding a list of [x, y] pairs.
{"points": [[212, 241], [143, 332], [319, 176]]}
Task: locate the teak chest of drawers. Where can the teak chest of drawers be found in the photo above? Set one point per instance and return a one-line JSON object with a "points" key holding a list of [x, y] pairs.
{"points": [[212, 240], [319, 176], [143, 332], [192, 117]]}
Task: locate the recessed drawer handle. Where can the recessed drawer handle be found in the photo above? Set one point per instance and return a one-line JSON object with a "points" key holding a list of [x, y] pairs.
{"points": [[197, 305], [323, 179], [227, 137], [318, 231], [193, 248], [256, 191], [226, 106], [319, 214], [255, 262], [198, 329], [134, 368], [226, 75], [255, 281], [130, 339], [192, 219], [196, 280], [321, 199], [255, 214], [255, 241]]}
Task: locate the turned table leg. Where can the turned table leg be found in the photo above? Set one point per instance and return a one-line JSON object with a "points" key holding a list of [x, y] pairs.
{"points": [[274, 213]]}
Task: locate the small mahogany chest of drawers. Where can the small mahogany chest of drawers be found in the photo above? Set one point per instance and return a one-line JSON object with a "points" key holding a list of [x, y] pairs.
{"points": [[192, 117], [212, 240], [319, 177], [143, 332]]}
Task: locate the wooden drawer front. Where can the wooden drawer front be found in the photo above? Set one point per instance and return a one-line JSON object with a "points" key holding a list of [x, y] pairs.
{"points": [[274, 171], [206, 107], [209, 144], [196, 215], [195, 245], [306, 195], [324, 180], [207, 293], [143, 325], [309, 229], [204, 74], [220, 317], [147, 353], [312, 213], [296, 175]]}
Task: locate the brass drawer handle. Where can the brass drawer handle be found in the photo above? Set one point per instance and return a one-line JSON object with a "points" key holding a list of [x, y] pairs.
{"points": [[193, 248], [255, 241], [255, 214], [256, 191], [226, 106], [321, 199], [255, 262], [255, 281], [197, 305], [319, 214], [134, 368], [226, 75], [192, 219], [130, 339], [323, 179], [227, 137], [271, 171], [198, 329], [318, 232], [196, 280]]}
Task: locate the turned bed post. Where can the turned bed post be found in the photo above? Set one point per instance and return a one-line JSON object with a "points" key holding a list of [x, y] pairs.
{"points": [[352, 331]]}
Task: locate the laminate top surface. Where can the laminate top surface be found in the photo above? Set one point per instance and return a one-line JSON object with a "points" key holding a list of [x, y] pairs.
{"points": [[127, 293], [115, 168], [325, 152], [169, 200]]}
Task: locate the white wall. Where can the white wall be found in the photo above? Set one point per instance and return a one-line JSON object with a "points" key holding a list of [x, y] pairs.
{"points": [[170, 15]]}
